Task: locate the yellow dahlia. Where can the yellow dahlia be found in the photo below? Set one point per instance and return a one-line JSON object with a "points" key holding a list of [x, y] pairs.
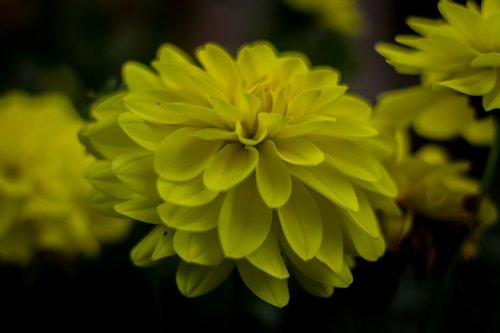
{"points": [[259, 162], [430, 184], [460, 51], [42, 184], [343, 16]]}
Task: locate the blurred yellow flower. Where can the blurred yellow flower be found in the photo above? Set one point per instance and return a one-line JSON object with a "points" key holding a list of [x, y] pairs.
{"points": [[460, 51], [429, 184], [42, 185], [434, 114], [343, 16], [260, 163]]}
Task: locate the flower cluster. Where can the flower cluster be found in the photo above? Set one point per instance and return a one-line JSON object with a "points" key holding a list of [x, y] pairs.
{"points": [[42, 185], [259, 162]]}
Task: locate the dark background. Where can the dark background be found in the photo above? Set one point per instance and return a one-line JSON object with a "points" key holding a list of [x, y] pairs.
{"points": [[78, 47]]}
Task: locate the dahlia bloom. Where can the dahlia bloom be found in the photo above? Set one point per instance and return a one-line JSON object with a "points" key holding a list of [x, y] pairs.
{"points": [[260, 163], [460, 51], [343, 16], [42, 185], [434, 114], [430, 184]]}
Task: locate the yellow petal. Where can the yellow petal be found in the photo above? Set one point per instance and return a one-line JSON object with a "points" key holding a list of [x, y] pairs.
{"points": [[139, 77], [311, 286], [145, 134], [329, 182], [301, 222], [230, 166], [196, 219], [142, 252], [270, 289], [140, 208], [100, 175], [299, 151], [182, 156], [220, 65], [268, 257], [474, 82], [272, 176], [244, 221], [198, 247], [188, 193], [136, 171], [195, 280]]}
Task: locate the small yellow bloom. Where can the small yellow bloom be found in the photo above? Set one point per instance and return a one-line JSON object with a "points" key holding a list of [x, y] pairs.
{"points": [[343, 16], [429, 184], [461, 51], [42, 185], [260, 163]]}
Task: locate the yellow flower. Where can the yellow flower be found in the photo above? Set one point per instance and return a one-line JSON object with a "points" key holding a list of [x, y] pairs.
{"points": [[429, 184], [343, 16], [42, 185], [460, 51], [434, 114], [260, 163]]}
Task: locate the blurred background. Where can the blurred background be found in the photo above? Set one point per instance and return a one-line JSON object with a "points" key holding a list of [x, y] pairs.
{"points": [[78, 47]]}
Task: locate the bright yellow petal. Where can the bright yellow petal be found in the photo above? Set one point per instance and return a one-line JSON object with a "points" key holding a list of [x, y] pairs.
{"points": [[145, 134], [272, 176], [188, 193], [195, 219], [136, 171], [301, 222], [230, 166], [182, 156], [142, 252], [329, 182], [139, 77], [244, 221], [268, 257]]}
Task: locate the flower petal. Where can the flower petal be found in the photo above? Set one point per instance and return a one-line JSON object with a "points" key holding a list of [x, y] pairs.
{"points": [[145, 134], [221, 66], [368, 247], [230, 166], [140, 208], [299, 151], [188, 193], [199, 218], [139, 77], [100, 175], [319, 271], [329, 182], [268, 257], [142, 252], [331, 251], [182, 156], [199, 247], [350, 159], [157, 106], [270, 289], [244, 221], [474, 82], [136, 171], [301, 222], [195, 280], [273, 179], [311, 286]]}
